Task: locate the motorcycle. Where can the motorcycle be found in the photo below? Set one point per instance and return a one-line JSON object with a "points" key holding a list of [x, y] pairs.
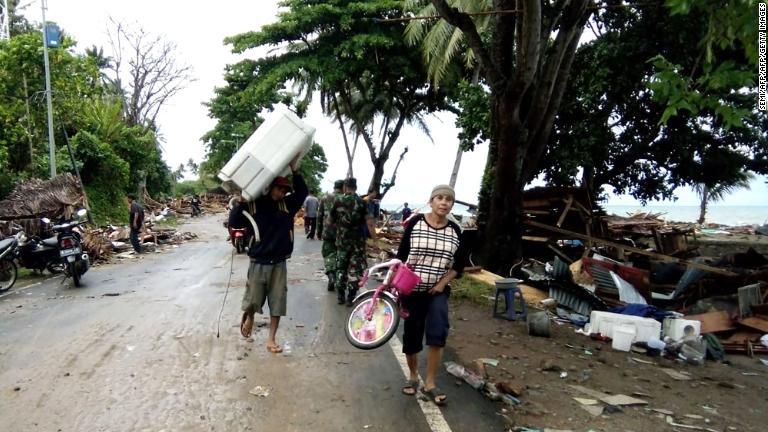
{"points": [[38, 254], [8, 269], [239, 239], [71, 255]]}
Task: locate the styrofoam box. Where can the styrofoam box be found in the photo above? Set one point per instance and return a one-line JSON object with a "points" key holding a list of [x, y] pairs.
{"points": [[267, 153], [605, 322], [623, 337], [679, 328]]}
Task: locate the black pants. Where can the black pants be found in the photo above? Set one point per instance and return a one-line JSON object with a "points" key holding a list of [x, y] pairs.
{"points": [[428, 316], [135, 240], [310, 226]]}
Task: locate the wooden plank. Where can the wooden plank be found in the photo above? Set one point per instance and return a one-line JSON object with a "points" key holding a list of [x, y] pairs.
{"points": [[713, 322], [755, 323], [536, 239], [532, 295], [588, 391], [568, 204], [623, 400], [655, 255]]}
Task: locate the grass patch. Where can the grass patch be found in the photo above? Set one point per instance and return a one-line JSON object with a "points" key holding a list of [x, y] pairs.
{"points": [[471, 290]]}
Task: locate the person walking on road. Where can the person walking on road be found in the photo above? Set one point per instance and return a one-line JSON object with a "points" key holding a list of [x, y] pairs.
{"points": [[326, 231], [350, 215], [311, 204], [407, 212], [136, 221], [267, 273], [432, 245]]}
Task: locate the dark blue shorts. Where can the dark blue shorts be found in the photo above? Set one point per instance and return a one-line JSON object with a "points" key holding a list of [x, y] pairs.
{"points": [[428, 317]]}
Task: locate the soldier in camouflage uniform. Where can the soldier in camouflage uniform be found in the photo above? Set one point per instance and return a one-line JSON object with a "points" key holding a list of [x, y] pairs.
{"points": [[349, 213], [326, 231]]}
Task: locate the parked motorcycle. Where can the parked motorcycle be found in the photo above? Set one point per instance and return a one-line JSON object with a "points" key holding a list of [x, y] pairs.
{"points": [[8, 269], [38, 254], [71, 255]]}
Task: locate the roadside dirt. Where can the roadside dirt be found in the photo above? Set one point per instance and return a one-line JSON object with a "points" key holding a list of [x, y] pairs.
{"points": [[718, 397]]}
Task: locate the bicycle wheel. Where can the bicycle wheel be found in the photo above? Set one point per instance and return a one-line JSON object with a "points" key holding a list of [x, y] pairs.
{"points": [[373, 333], [8, 274]]}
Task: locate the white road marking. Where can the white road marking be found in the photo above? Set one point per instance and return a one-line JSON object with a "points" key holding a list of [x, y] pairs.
{"points": [[432, 412]]}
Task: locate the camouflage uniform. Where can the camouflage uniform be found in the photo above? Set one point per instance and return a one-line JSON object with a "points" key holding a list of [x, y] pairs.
{"points": [[349, 213], [326, 230]]}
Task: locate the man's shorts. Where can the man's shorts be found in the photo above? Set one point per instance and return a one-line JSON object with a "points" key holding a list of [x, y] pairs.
{"points": [[266, 283]]}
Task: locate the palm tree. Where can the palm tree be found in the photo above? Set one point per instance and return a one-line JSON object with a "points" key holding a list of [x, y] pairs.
{"points": [[441, 43], [718, 191]]}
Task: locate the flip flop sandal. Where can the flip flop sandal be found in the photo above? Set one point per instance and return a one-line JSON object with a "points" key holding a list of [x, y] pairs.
{"points": [[274, 349], [410, 385], [438, 397], [246, 325]]}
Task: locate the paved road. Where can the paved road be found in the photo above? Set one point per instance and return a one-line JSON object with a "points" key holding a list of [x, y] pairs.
{"points": [[84, 359]]}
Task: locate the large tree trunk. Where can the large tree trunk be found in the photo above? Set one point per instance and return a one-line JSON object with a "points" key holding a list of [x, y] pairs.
{"points": [[502, 232]]}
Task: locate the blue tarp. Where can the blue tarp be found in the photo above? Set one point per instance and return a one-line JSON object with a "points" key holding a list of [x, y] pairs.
{"points": [[641, 310]]}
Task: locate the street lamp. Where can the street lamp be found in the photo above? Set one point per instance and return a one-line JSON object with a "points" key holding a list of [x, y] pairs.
{"points": [[51, 143]]}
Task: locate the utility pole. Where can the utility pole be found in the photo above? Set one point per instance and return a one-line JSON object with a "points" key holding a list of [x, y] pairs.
{"points": [[5, 20], [51, 143]]}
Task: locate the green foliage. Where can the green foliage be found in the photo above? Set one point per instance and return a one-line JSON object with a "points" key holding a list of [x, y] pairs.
{"points": [[609, 125], [726, 58], [474, 116], [471, 290], [312, 167], [361, 68], [111, 156], [190, 187]]}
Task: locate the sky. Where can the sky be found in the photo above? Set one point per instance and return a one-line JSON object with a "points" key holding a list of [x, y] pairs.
{"points": [[199, 32]]}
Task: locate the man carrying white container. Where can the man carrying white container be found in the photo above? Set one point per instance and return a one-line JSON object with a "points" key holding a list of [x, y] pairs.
{"points": [[267, 273]]}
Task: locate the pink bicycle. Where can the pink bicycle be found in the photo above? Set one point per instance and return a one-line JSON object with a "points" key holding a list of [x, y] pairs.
{"points": [[375, 314]]}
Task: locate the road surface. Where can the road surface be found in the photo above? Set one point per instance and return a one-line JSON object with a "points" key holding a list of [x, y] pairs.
{"points": [[136, 349]]}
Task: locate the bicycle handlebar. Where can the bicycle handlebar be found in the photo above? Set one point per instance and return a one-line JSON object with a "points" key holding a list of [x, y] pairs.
{"points": [[367, 272]]}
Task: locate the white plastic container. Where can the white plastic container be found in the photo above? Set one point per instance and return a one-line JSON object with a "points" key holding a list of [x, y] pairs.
{"points": [[267, 153], [678, 328], [605, 323], [623, 337]]}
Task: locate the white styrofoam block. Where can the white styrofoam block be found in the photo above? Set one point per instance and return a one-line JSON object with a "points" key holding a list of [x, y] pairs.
{"points": [[267, 153], [623, 337], [678, 328], [605, 322]]}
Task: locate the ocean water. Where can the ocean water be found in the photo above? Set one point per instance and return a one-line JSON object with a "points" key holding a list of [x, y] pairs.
{"points": [[725, 215]]}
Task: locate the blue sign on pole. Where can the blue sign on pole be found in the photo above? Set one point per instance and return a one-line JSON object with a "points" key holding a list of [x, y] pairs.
{"points": [[52, 35]]}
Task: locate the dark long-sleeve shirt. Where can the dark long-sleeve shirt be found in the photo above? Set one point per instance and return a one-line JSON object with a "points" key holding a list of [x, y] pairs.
{"points": [[275, 222]]}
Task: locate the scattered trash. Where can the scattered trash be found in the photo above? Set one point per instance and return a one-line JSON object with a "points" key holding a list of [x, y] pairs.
{"points": [[594, 410], [586, 401], [679, 376], [130, 347], [260, 391], [490, 362], [110, 294], [563, 375], [467, 375]]}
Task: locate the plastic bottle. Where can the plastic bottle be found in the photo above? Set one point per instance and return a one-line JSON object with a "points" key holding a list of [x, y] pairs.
{"points": [[287, 348]]}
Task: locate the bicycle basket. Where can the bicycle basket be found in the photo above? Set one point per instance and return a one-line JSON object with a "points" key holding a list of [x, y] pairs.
{"points": [[405, 280]]}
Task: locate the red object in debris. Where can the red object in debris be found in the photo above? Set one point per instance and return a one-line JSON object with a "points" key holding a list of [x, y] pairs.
{"points": [[637, 277]]}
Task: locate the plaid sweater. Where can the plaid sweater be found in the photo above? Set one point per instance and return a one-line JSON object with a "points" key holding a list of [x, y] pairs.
{"points": [[432, 251]]}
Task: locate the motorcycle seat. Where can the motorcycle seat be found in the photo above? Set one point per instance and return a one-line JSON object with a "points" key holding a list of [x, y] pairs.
{"points": [[51, 242], [5, 244]]}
